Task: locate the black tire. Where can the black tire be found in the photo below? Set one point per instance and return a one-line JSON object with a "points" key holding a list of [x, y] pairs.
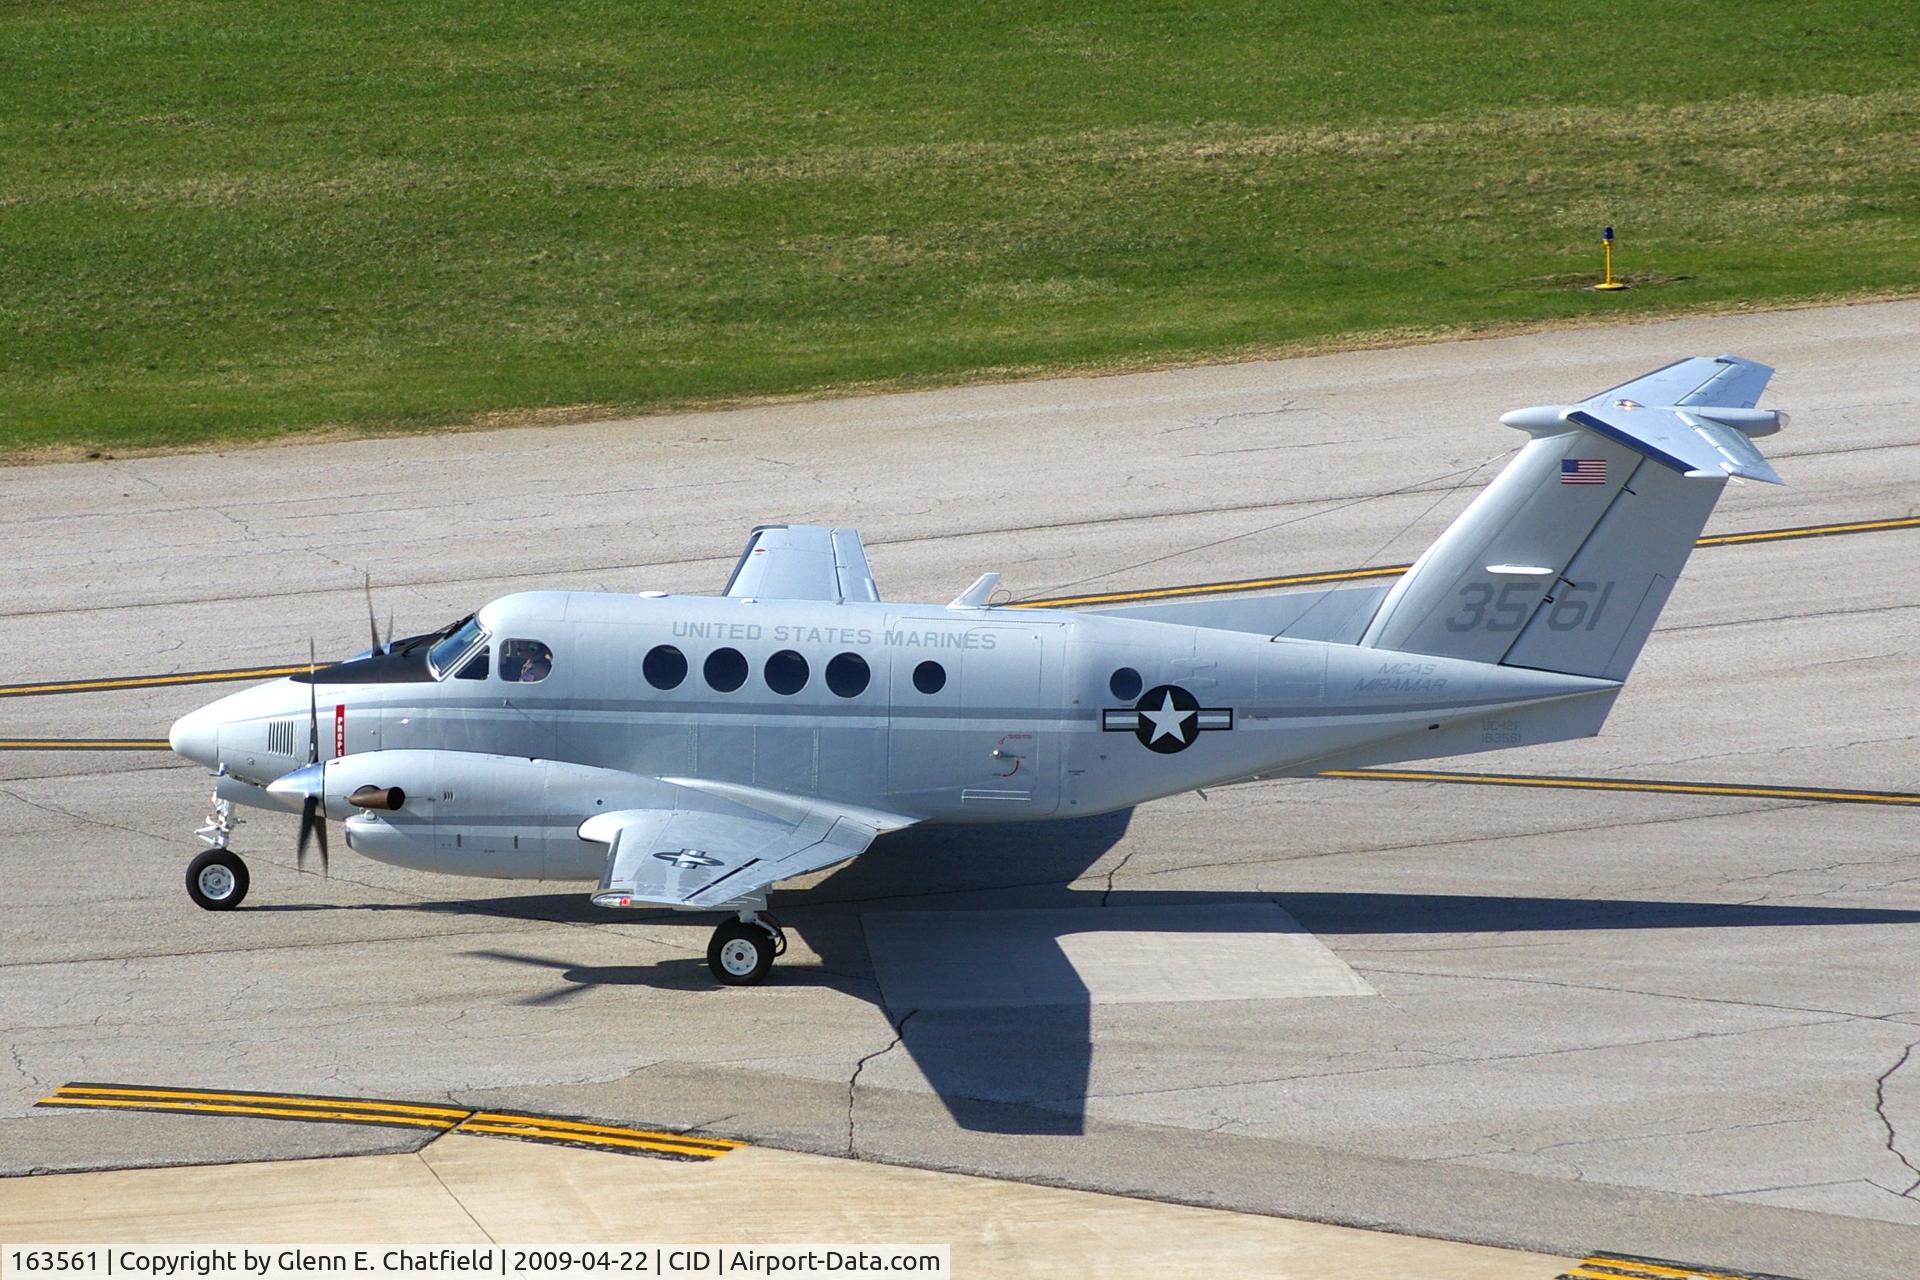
{"points": [[741, 954], [217, 880]]}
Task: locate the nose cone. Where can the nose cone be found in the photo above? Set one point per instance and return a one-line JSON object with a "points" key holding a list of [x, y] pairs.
{"points": [[196, 736]]}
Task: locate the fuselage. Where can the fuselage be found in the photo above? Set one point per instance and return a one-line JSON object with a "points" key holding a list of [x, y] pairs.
{"points": [[933, 713]]}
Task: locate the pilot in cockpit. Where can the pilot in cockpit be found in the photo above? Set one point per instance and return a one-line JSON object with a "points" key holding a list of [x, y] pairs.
{"points": [[527, 661]]}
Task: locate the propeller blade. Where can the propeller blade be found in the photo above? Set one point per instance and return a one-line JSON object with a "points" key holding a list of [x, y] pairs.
{"points": [[307, 810], [313, 826], [366, 582], [320, 831]]}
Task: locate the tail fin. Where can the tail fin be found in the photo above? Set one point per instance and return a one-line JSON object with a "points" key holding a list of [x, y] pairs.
{"points": [[1565, 560]]}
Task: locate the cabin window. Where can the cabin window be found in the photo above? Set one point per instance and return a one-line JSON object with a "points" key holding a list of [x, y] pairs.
{"points": [[525, 661], [1125, 684], [929, 677], [786, 672], [725, 669], [848, 674], [664, 667]]}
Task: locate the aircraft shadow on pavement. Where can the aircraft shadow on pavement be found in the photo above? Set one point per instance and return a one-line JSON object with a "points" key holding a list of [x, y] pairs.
{"points": [[1026, 1070]]}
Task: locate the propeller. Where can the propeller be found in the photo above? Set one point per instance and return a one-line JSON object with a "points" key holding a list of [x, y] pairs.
{"points": [[312, 821]]}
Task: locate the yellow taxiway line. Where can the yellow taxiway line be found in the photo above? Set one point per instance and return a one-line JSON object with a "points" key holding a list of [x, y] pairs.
{"points": [[1825, 795], [147, 682], [373, 1111], [1830, 795], [1605, 1266], [83, 744], [1200, 589], [1395, 570]]}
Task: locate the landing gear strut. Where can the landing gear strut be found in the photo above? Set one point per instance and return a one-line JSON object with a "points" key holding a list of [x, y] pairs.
{"points": [[744, 948]]}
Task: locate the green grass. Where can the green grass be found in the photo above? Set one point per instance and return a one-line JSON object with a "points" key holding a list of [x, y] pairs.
{"points": [[227, 220]]}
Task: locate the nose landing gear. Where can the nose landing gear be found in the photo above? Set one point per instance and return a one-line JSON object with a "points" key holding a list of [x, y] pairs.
{"points": [[217, 879], [744, 949]]}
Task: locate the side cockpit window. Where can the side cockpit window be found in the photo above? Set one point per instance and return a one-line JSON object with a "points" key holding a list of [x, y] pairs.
{"points": [[475, 668], [459, 650], [525, 661]]}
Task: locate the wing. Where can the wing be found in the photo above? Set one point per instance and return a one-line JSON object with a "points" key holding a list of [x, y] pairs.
{"points": [[723, 844], [1726, 381], [803, 562]]}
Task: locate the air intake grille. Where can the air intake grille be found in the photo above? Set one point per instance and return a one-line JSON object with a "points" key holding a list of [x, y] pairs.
{"points": [[283, 736]]}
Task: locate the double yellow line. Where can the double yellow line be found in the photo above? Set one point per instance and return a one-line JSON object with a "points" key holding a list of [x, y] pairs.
{"points": [[1607, 1266], [1658, 786], [1830, 795], [402, 1115], [1395, 570], [148, 682], [83, 744], [1200, 589]]}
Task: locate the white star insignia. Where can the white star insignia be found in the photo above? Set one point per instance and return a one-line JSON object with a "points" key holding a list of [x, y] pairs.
{"points": [[1166, 721]]}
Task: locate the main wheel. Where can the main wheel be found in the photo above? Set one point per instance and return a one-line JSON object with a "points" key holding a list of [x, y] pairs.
{"points": [[217, 880], [741, 953]]}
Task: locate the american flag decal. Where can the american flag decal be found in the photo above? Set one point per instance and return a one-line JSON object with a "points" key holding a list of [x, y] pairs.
{"points": [[1583, 471]]}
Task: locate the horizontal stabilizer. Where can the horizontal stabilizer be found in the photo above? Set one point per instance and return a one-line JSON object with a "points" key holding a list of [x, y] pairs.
{"points": [[1687, 440], [1337, 616], [1726, 381]]}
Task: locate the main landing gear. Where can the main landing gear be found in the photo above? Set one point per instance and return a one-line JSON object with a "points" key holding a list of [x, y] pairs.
{"points": [[744, 948], [217, 879]]}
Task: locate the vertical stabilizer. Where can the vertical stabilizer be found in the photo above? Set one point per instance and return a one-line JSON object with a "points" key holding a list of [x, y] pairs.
{"points": [[1564, 562]]}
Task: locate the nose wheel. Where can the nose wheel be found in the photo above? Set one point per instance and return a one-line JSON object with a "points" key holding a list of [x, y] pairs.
{"points": [[217, 880], [743, 950]]}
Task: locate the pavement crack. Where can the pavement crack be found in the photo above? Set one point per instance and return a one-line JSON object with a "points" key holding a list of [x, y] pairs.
{"points": [[20, 1065], [1886, 1121], [853, 1081], [1115, 870], [80, 818], [421, 1155]]}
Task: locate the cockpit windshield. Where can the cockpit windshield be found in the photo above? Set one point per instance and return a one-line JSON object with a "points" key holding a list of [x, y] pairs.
{"points": [[445, 653]]}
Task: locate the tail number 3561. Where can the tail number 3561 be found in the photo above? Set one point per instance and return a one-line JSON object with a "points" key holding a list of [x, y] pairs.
{"points": [[1577, 607]]}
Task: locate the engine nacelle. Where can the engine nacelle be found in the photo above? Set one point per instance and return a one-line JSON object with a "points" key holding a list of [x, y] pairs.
{"points": [[464, 813]]}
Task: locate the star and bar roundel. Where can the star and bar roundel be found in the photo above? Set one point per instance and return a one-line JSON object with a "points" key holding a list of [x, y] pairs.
{"points": [[1166, 719]]}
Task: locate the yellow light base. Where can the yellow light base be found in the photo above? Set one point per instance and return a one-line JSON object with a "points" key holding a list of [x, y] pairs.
{"points": [[1611, 284]]}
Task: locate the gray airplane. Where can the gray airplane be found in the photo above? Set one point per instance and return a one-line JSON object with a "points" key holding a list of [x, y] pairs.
{"points": [[693, 751]]}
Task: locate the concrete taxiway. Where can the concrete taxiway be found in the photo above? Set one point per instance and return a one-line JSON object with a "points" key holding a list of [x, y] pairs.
{"points": [[1554, 1020], [462, 1189]]}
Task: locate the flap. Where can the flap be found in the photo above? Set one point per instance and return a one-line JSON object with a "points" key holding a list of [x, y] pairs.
{"points": [[698, 858], [803, 562]]}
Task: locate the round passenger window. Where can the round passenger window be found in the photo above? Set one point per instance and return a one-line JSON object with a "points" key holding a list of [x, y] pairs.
{"points": [[726, 669], [1125, 684], [847, 675], [786, 672], [929, 677], [664, 667]]}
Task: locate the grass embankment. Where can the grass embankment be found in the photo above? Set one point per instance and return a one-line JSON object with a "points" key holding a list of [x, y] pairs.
{"points": [[231, 220]]}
